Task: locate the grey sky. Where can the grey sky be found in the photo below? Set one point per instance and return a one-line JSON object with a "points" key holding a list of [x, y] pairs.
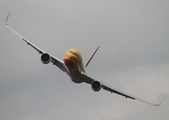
{"points": [[133, 57]]}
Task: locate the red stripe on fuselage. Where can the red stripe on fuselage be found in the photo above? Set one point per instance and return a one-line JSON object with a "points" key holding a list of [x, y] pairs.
{"points": [[73, 69], [72, 64], [69, 64], [71, 58]]}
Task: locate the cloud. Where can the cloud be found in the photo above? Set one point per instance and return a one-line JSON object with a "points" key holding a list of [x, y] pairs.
{"points": [[133, 57]]}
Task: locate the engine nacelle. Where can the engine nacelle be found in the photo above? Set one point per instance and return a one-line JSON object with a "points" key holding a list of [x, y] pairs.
{"points": [[45, 58], [96, 86]]}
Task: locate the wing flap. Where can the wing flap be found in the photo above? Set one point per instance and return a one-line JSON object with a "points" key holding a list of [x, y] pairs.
{"points": [[54, 60], [85, 78], [113, 90], [58, 63]]}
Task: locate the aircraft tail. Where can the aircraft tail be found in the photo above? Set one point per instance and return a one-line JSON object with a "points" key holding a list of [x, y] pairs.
{"points": [[91, 56]]}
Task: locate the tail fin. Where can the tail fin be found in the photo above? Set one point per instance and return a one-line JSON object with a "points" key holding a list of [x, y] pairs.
{"points": [[91, 56]]}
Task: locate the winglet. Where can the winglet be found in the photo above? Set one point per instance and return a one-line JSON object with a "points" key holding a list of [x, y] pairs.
{"points": [[151, 103], [7, 18], [29, 43], [160, 102], [91, 56]]}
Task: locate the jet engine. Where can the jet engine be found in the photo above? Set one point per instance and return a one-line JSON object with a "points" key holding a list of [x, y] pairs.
{"points": [[96, 86], [45, 58]]}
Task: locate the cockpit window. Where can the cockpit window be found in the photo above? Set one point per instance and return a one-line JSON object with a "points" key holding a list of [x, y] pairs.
{"points": [[74, 53]]}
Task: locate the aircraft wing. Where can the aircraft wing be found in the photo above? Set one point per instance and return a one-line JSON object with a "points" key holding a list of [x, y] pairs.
{"points": [[85, 78], [54, 60]]}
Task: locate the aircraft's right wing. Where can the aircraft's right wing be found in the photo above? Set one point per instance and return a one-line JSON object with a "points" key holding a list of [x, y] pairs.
{"points": [[54, 60], [85, 78]]}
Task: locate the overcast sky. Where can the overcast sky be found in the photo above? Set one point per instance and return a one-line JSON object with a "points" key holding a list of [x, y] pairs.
{"points": [[133, 57]]}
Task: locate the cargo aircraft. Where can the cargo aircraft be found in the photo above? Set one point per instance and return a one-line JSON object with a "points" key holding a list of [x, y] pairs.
{"points": [[73, 65]]}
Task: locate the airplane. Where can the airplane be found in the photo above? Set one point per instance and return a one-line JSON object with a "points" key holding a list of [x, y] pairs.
{"points": [[74, 67]]}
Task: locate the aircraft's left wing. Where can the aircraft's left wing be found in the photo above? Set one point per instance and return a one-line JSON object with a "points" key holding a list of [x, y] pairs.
{"points": [[85, 78], [54, 60]]}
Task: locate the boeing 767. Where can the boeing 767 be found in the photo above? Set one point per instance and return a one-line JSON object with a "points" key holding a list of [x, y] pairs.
{"points": [[73, 65]]}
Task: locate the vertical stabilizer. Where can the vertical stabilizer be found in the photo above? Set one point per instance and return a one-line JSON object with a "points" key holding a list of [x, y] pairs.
{"points": [[91, 56]]}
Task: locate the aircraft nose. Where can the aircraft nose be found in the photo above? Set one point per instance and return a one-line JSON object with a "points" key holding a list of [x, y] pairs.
{"points": [[70, 60]]}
